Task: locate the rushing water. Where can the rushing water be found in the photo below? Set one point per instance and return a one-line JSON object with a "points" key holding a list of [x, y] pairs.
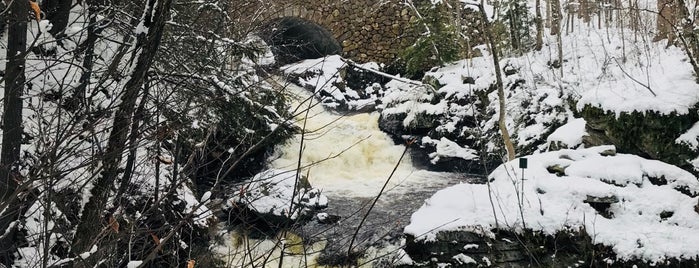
{"points": [[349, 158], [345, 155]]}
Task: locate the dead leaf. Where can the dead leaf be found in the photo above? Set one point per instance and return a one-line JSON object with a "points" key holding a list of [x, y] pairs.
{"points": [[114, 224], [242, 191], [164, 159], [190, 264], [37, 10], [155, 239]]}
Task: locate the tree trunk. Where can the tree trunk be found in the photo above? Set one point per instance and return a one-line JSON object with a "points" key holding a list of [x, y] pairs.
{"points": [[501, 91], [548, 13], [539, 27], [584, 11], [12, 122], [3, 21], [77, 99], [57, 12], [555, 16], [147, 43], [687, 36]]}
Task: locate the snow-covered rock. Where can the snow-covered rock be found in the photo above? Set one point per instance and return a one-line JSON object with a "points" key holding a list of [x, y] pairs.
{"points": [[272, 193], [339, 84], [567, 136], [640, 209], [445, 148]]}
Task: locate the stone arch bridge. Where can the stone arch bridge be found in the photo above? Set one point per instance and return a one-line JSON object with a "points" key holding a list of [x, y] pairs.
{"points": [[367, 30]]}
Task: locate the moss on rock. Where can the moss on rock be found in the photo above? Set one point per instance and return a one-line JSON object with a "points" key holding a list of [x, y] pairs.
{"points": [[648, 134]]}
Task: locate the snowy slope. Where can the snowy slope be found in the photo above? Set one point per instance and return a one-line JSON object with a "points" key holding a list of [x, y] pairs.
{"points": [[552, 203]]}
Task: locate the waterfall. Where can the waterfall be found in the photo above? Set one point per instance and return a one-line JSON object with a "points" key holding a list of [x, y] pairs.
{"points": [[349, 158], [344, 155]]}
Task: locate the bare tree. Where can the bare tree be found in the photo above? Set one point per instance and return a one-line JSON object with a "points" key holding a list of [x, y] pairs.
{"points": [[147, 43], [498, 76], [539, 27], [12, 124]]}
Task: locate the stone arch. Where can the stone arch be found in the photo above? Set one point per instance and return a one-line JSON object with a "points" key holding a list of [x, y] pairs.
{"points": [[293, 38], [367, 30]]}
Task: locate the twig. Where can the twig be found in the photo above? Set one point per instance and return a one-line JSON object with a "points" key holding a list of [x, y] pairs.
{"points": [[634, 79], [356, 232]]}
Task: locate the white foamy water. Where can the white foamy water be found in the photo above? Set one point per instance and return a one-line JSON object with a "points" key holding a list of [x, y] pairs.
{"points": [[345, 155], [349, 158]]}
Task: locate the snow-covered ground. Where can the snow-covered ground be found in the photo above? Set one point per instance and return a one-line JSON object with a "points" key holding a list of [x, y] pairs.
{"points": [[652, 216], [643, 193]]}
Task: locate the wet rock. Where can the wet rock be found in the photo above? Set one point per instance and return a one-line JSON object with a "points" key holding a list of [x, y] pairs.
{"points": [[648, 134], [421, 125], [420, 157], [469, 80], [325, 218], [449, 248], [269, 202], [510, 69], [601, 199], [557, 169], [601, 204], [609, 152], [666, 214]]}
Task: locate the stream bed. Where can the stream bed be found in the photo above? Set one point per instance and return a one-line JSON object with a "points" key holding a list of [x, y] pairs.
{"points": [[349, 158]]}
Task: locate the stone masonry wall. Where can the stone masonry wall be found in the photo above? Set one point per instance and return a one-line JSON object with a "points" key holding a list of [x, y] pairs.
{"points": [[368, 30]]}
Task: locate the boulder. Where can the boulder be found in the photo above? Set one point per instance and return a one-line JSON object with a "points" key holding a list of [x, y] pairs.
{"points": [[466, 249], [269, 201], [648, 134]]}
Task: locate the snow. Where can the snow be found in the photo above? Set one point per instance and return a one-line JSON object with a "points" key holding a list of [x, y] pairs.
{"points": [[556, 204], [612, 86], [606, 68], [322, 216], [487, 261], [691, 137], [134, 264], [30, 257], [603, 68], [328, 69], [403, 258], [201, 212], [447, 148], [87, 254], [570, 134], [464, 259], [470, 246], [205, 197], [596, 72], [272, 191]]}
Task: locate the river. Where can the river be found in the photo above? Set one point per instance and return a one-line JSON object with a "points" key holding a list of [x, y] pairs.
{"points": [[349, 158]]}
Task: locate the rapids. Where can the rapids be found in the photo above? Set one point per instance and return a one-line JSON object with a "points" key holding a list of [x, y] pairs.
{"points": [[344, 155], [349, 158]]}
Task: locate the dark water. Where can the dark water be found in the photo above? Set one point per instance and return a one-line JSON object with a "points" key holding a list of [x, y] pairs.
{"points": [[383, 226]]}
